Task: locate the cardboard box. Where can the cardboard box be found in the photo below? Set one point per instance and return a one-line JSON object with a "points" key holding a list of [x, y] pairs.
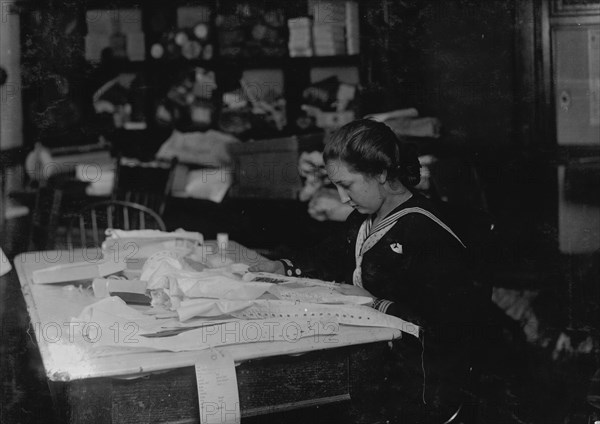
{"points": [[268, 169]]}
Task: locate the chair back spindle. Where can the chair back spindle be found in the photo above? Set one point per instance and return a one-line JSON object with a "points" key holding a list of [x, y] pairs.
{"points": [[92, 221], [145, 183]]}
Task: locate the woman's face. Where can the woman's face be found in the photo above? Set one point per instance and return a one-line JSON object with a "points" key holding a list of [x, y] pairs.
{"points": [[363, 192]]}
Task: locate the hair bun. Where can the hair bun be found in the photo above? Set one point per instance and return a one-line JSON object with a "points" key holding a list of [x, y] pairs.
{"points": [[410, 166], [413, 175], [371, 148]]}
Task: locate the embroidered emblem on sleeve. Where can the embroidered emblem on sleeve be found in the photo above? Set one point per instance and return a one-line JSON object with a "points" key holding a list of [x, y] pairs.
{"points": [[381, 305], [289, 268]]}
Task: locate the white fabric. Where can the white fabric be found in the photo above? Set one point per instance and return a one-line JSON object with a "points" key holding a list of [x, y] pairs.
{"points": [[201, 148], [157, 234], [171, 284], [112, 310], [210, 184], [111, 323], [315, 294], [220, 287], [208, 308]]}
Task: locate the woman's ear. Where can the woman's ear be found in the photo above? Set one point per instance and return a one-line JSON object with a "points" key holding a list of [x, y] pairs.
{"points": [[382, 178]]}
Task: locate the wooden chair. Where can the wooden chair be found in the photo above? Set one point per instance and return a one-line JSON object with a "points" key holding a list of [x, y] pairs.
{"points": [[11, 162], [44, 218], [477, 228], [145, 183], [56, 200], [15, 205], [89, 225]]}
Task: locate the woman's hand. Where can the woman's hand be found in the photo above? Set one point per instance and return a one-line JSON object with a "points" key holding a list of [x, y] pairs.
{"points": [[352, 290], [274, 267]]}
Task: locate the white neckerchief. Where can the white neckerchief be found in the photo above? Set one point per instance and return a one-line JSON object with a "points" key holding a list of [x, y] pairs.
{"points": [[368, 237]]}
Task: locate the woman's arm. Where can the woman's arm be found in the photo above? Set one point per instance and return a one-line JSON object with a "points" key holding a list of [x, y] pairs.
{"points": [[418, 272], [328, 260]]}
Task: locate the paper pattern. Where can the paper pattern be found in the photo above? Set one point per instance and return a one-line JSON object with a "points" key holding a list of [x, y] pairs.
{"points": [[211, 307], [218, 396]]}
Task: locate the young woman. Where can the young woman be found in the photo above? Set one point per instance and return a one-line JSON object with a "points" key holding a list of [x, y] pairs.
{"points": [[400, 251]]}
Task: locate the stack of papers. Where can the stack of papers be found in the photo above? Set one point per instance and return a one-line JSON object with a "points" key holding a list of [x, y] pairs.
{"points": [[300, 42], [75, 271], [329, 39], [103, 27], [190, 16], [329, 27], [352, 28]]}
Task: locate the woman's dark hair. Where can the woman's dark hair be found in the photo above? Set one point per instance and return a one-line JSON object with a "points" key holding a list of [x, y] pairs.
{"points": [[371, 147]]}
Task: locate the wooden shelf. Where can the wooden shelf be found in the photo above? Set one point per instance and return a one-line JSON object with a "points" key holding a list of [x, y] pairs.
{"points": [[318, 61], [286, 61], [181, 62], [159, 19]]}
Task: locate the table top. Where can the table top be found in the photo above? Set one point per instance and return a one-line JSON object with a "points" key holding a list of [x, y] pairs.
{"points": [[51, 307]]}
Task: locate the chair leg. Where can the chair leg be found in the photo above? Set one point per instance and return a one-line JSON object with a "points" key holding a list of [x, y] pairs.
{"points": [[54, 218]]}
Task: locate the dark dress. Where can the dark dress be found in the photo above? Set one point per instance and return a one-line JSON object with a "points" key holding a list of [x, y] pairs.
{"points": [[422, 270]]}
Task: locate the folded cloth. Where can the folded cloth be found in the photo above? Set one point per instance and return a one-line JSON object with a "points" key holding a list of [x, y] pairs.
{"points": [[417, 127], [208, 148], [155, 234], [170, 283], [103, 186], [14, 210], [213, 285], [137, 244], [210, 184]]}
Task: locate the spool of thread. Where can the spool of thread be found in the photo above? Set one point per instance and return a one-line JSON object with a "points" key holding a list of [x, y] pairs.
{"points": [[157, 51], [201, 31]]}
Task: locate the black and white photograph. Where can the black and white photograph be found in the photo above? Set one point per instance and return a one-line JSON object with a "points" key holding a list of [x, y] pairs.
{"points": [[300, 211]]}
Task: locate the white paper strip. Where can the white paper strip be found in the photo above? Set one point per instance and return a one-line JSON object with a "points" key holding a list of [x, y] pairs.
{"points": [[346, 314], [210, 307], [343, 314], [218, 396], [208, 336]]}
